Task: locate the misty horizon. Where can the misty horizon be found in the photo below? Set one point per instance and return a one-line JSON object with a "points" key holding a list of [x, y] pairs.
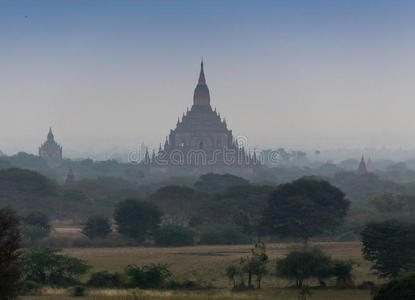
{"points": [[283, 75]]}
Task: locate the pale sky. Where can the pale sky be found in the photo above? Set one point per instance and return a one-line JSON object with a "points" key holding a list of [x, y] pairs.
{"points": [[295, 74]]}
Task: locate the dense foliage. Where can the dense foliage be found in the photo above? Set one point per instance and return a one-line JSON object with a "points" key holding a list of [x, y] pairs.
{"points": [[9, 254], [104, 279], [304, 208], [137, 219], [36, 226], [222, 235], [97, 226], [303, 264], [216, 183], [153, 276], [173, 235], [399, 288], [390, 245], [46, 265]]}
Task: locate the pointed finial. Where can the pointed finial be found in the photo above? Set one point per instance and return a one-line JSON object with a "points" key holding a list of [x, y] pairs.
{"points": [[202, 79], [50, 134]]}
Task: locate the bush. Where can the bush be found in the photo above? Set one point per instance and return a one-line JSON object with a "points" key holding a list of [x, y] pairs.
{"points": [[35, 233], [173, 235], [97, 226], [222, 235], [37, 218], [343, 271], [78, 291], [47, 266], [104, 279], [304, 264], [153, 276], [174, 284], [30, 288], [401, 288]]}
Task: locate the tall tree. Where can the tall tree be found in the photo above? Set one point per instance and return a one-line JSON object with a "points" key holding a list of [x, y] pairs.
{"points": [[304, 208], [390, 245], [9, 254], [136, 219]]}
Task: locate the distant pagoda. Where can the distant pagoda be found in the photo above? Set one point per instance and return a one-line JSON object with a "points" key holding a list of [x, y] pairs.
{"points": [[70, 176], [201, 141], [362, 170], [51, 151]]}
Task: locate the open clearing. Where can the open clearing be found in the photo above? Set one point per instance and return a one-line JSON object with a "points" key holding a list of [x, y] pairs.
{"points": [[206, 265]]}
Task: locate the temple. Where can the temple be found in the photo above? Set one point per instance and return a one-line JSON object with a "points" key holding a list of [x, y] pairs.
{"points": [[201, 141], [70, 176], [51, 151], [362, 170]]}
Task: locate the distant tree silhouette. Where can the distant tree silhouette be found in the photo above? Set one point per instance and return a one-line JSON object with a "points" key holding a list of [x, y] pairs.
{"points": [[97, 226], [304, 208], [136, 219], [217, 183]]}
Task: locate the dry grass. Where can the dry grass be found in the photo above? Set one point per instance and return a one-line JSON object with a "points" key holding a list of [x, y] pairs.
{"points": [[264, 294], [206, 264]]}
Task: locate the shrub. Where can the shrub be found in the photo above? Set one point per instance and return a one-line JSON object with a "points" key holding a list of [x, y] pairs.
{"points": [[252, 265], [97, 226], [343, 271], [37, 218], [173, 235], [153, 276], [78, 291], [35, 233], [36, 226], [47, 266], [222, 235], [104, 279], [304, 264], [174, 284], [30, 288], [401, 288]]}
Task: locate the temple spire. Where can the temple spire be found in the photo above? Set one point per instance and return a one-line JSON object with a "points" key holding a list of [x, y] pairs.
{"points": [[362, 170], [202, 79], [50, 134], [201, 95]]}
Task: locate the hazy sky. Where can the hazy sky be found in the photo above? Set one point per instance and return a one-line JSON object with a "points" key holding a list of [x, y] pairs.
{"points": [[294, 74]]}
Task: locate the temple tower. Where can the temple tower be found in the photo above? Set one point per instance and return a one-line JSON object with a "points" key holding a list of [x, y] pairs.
{"points": [[51, 151]]}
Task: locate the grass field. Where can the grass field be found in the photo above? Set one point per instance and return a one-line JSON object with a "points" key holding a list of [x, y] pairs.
{"points": [[217, 294], [206, 265]]}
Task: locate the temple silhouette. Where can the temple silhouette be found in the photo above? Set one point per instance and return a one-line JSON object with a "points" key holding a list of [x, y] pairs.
{"points": [[201, 141], [50, 150]]}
